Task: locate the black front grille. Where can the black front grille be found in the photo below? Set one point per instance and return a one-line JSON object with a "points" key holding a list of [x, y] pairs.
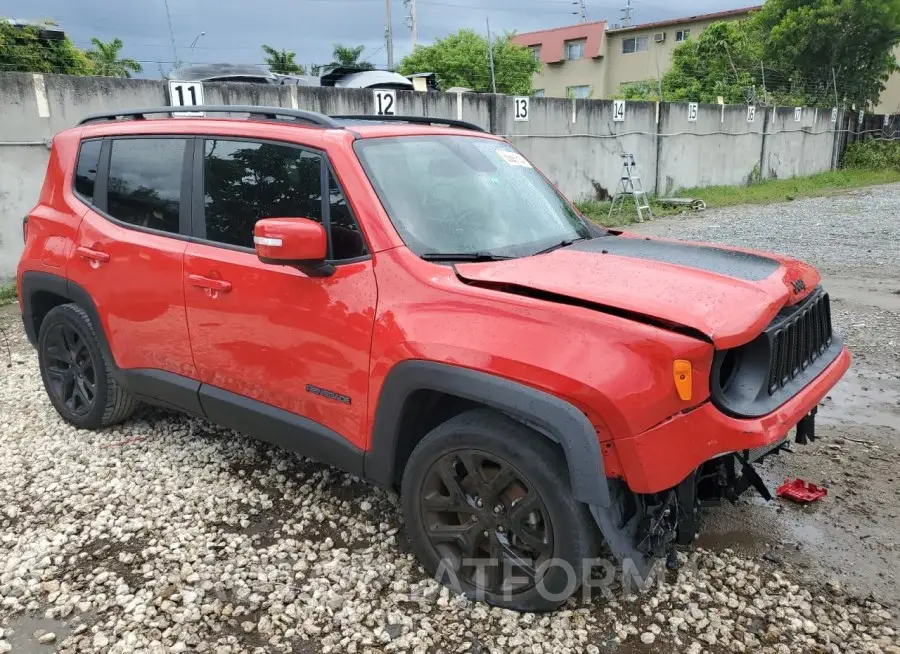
{"points": [[799, 340]]}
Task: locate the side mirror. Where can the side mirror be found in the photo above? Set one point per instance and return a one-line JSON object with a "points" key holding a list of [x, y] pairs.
{"points": [[299, 242]]}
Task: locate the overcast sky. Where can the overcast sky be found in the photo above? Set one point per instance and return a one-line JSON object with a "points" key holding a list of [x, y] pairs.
{"points": [[236, 28]]}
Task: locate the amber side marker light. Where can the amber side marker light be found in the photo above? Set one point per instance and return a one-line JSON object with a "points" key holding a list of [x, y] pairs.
{"points": [[681, 371]]}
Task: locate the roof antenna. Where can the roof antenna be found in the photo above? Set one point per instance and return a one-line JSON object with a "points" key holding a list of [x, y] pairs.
{"points": [[627, 14]]}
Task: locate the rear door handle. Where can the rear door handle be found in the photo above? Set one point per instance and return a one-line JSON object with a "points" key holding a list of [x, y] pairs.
{"points": [[208, 283], [96, 257]]}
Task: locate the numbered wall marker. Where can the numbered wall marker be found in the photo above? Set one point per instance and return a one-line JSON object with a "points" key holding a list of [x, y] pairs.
{"points": [[185, 94], [385, 102], [693, 110], [887, 119], [522, 109], [834, 113], [798, 114], [618, 111], [751, 113]]}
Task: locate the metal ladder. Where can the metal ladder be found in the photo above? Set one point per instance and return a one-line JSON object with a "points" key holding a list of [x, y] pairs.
{"points": [[630, 184]]}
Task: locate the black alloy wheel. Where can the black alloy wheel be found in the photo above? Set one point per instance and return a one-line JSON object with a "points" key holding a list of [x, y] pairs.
{"points": [[489, 512], [476, 507], [76, 373], [70, 369]]}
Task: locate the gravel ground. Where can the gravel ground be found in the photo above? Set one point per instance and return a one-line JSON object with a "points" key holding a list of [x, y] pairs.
{"points": [[168, 534]]}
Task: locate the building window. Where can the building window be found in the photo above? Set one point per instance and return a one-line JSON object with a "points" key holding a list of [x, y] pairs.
{"points": [[635, 44], [536, 52], [579, 92], [539, 93], [575, 49], [682, 35]]}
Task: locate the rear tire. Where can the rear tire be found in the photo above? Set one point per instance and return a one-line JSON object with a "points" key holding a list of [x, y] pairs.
{"points": [[75, 373], [484, 488]]}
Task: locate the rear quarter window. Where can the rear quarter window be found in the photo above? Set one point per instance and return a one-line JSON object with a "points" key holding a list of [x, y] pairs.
{"points": [[86, 169], [144, 187]]}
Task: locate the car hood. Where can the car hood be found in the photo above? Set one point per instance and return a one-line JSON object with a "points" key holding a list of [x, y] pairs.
{"points": [[725, 295]]}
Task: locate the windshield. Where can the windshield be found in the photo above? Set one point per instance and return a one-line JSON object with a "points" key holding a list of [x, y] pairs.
{"points": [[467, 195]]}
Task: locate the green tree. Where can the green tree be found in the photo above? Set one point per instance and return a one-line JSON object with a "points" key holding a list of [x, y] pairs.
{"points": [[347, 57], [822, 40], [462, 59], [722, 62], [23, 49], [282, 61], [789, 53], [106, 62]]}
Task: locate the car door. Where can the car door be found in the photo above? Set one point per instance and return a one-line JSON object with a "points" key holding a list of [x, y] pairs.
{"points": [[129, 249], [269, 335]]}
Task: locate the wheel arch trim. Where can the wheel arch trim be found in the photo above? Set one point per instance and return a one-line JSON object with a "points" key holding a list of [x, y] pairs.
{"points": [[545, 413]]}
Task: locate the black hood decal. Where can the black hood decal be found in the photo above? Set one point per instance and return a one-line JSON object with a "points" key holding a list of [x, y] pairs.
{"points": [[741, 265]]}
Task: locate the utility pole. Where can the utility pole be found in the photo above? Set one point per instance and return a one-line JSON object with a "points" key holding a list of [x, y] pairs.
{"points": [[411, 21], [582, 10], [491, 54], [627, 14], [171, 35], [389, 35], [763, 70]]}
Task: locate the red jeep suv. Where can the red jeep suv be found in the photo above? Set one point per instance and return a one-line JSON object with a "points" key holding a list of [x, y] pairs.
{"points": [[412, 301]]}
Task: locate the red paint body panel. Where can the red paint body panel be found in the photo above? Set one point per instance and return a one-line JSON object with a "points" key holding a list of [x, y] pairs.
{"points": [[277, 330], [426, 312], [663, 456], [139, 294], [730, 311], [54, 220]]}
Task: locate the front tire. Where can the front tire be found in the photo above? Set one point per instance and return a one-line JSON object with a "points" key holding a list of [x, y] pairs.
{"points": [[490, 513], [75, 373]]}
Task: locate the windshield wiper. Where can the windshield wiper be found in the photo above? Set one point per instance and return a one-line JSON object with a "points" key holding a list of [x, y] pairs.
{"points": [[562, 244], [463, 256]]}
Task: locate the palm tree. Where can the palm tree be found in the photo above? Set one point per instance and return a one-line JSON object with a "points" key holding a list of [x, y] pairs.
{"points": [[282, 61], [105, 58], [346, 57]]}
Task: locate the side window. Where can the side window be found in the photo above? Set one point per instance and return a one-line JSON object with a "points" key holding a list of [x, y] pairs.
{"points": [[347, 241], [86, 169], [144, 186], [244, 181]]}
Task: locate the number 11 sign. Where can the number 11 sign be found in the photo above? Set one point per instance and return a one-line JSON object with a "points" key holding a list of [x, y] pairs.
{"points": [[185, 94]]}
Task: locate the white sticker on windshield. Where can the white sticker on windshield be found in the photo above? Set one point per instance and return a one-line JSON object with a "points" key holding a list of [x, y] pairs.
{"points": [[513, 158]]}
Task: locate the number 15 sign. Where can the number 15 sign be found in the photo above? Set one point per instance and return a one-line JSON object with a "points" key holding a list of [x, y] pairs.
{"points": [[185, 94]]}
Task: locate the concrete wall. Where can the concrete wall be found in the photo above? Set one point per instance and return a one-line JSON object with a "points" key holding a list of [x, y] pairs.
{"points": [[795, 148], [575, 142], [581, 154], [720, 149]]}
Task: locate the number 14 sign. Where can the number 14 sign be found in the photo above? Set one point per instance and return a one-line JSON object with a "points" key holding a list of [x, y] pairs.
{"points": [[185, 94]]}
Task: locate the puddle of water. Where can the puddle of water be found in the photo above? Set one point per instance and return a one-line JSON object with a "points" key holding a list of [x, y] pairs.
{"points": [[863, 400], [23, 640]]}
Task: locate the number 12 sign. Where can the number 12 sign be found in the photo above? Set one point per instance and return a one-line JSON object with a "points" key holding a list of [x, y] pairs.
{"points": [[185, 94]]}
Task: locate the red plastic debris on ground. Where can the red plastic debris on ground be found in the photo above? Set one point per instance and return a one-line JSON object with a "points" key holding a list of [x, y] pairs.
{"points": [[801, 491]]}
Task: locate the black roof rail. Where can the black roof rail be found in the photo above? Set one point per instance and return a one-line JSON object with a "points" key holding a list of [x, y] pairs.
{"points": [[417, 120], [310, 117]]}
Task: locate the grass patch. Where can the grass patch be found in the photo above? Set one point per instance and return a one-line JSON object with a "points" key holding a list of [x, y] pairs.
{"points": [[775, 190], [8, 293]]}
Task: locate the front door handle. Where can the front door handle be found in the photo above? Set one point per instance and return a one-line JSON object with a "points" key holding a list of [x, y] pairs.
{"points": [[95, 257], [210, 284]]}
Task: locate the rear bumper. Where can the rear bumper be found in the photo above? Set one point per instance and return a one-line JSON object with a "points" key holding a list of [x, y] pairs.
{"points": [[663, 456]]}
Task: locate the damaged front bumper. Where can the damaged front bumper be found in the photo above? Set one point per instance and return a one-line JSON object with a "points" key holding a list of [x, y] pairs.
{"points": [[660, 458], [698, 459]]}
